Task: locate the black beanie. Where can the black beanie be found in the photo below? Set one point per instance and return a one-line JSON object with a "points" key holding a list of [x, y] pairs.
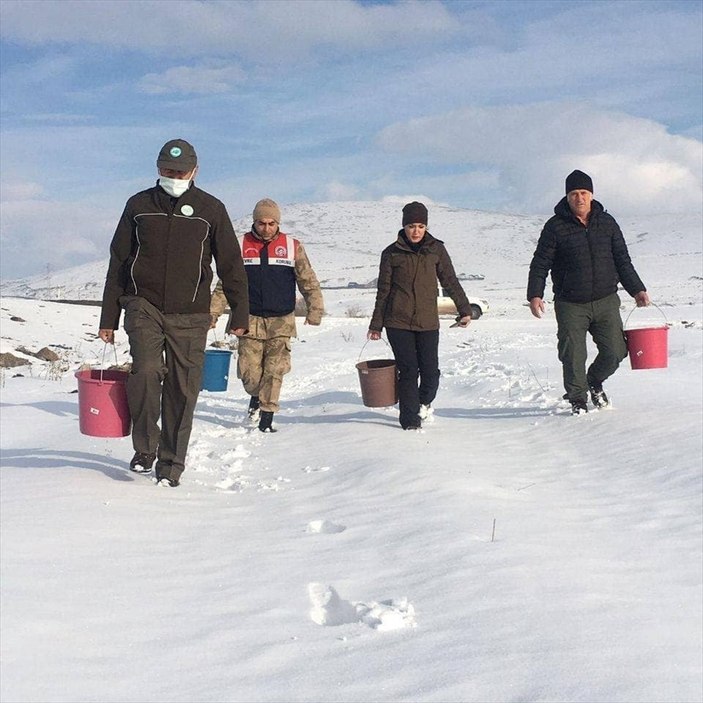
{"points": [[414, 212], [578, 180]]}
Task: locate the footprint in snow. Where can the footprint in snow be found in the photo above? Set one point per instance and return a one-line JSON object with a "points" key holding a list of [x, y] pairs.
{"points": [[231, 455], [324, 527], [329, 609]]}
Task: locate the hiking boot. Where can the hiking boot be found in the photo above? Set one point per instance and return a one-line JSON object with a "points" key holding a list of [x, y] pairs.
{"points": [[265, 420], [426, 411], [141, 463], [253, 411], [168, 482], [578, 406], [598, 396], [412, 423]]}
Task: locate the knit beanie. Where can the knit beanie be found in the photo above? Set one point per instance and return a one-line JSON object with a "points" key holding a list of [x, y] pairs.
{"points": [[267, 209], [414, 212], [578, 180]]}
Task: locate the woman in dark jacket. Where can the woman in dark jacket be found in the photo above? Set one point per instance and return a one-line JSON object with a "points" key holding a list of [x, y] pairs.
{"points": [[406, 305]]}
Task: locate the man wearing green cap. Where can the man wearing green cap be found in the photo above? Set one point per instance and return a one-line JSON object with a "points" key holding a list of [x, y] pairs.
{"points": [[160, 275], [585, 250]]}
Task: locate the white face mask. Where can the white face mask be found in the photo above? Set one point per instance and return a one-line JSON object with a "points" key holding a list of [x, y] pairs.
{"points": [[174, 186]]}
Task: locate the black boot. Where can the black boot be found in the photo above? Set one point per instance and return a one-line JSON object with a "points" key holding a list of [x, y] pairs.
{"points": [[253, 411], [142, 462], [265, 420], [578, 406], [598, 396]]}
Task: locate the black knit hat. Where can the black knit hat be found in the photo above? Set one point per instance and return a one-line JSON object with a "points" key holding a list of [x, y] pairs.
{"points": [[177, 155], [414, 212], [578, 180]]}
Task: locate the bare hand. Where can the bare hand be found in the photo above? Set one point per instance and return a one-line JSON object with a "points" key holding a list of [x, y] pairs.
{"points": [[238, 331], [537, 306], [373, 335], [307, 322], [108, 336], [642, 299], [213, 321], [464, 321]]}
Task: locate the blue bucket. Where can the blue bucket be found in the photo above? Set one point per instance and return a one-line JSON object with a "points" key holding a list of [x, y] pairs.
{"points": [[216, 369]]}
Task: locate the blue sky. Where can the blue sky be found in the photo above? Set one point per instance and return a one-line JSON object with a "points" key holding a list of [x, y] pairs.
{"points": [[484, 105]]}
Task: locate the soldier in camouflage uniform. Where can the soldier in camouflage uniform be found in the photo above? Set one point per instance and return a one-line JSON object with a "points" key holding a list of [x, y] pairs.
{"points": [[275, 264]]}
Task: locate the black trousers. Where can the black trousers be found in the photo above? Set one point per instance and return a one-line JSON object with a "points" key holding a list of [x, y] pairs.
{"points": [[168, 352], [417, 358]]}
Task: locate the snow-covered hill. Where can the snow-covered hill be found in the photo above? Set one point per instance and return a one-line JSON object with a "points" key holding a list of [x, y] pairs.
{"points": [[507, 552], [344, 241]]}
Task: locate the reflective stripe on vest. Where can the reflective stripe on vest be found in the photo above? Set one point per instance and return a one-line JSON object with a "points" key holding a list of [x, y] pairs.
{"points": [[281, 250]]}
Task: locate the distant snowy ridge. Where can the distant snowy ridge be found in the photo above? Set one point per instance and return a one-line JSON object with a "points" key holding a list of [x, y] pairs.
{"points": [[344, 240]]}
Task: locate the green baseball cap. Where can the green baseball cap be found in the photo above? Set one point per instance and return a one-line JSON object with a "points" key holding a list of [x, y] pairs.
{"points": [[177, 155]]}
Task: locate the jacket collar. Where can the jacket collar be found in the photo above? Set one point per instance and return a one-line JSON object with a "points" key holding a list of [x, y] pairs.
{"points": [[403, 243], [563, 210]]}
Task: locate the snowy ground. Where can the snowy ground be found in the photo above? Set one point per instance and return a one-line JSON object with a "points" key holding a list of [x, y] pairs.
{"points": [[508, 552]]}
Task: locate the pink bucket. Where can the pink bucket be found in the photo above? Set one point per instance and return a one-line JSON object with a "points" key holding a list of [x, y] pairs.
{"points": [[102, 403], [648, 347]]}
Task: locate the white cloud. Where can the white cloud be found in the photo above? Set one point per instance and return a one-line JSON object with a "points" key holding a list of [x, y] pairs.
{"points": [[37, 233], [336, 190], [635, 164], [263, 30], [19, 190], [192, 79]]}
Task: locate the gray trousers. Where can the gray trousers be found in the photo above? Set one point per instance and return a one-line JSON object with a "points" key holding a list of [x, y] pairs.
{"points": [[168, 352], [601, 319]]}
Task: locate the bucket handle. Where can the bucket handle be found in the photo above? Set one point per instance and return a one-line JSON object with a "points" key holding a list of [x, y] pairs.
{"points": [[102, 363], [366, 342], [668, 324], [214, 334]]}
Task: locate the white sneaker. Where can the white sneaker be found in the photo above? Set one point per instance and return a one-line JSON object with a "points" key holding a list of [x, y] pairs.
{"points": [[426, 413]]}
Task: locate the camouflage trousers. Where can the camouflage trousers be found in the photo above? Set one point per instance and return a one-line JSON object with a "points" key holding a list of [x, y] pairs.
{"points": [[261, 365]]}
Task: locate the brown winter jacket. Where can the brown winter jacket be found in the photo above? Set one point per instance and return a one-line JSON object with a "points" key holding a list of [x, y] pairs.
{"points": [[407, 286], [162, 251]]}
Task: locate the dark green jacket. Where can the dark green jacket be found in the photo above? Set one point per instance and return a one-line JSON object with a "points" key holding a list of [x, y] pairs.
{"points": [[407, 286]]}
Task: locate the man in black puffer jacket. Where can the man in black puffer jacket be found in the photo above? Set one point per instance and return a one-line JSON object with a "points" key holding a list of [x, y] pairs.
{"points": [[585, 250]]}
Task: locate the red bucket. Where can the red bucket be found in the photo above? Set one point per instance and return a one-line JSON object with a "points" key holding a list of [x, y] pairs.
{"points": [[102, 403], [648, 347]]}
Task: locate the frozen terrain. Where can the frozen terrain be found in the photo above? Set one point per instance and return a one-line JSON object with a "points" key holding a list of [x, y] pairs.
{"points": [[507, 552]]}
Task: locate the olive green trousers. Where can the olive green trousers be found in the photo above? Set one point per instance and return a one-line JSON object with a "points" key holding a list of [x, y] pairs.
{"points": [[601, 319]]}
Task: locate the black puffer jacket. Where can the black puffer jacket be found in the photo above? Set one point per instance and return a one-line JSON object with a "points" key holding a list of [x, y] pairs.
{"points": [[586, 262], [162, 251], [407, 286]]}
